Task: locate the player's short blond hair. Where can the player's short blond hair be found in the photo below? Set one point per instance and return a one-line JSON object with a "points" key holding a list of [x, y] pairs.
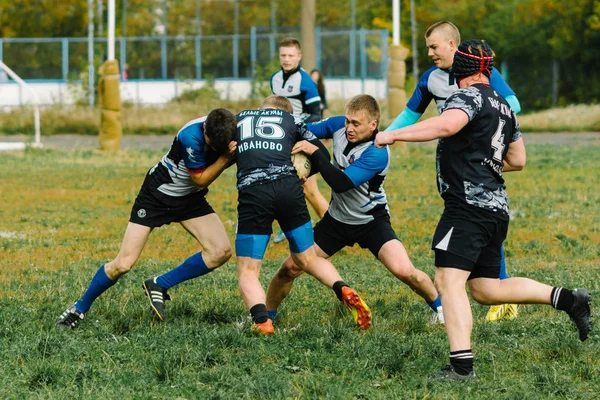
{"points": [[278, 102], [364, 103], [450, 30], [290, 42]]}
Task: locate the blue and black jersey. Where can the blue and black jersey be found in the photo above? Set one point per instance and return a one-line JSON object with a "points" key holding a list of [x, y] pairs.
{"points": [[170, 179], [265, 139], [364, 166], [301, 90]]}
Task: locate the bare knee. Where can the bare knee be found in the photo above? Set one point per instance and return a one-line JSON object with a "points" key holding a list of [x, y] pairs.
{"points": [[119, 266], [289, 271], [441, 284], [217, 255], [223, 254], [481, 296], [405, 274]]}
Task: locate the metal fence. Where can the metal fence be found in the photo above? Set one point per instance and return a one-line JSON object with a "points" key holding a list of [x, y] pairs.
{"points": [[339, 53]]}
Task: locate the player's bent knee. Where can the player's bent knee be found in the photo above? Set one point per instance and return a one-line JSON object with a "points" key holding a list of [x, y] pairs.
{"points": [[481, 296], [289, 272], [222, 254], [121, 266]]}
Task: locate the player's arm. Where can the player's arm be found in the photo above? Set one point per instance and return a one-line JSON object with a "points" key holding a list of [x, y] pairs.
{"points": [[416, 105], [319, 158], [326, 128], [449, 123], [501, 86], [204, 177], [516, 156], [312, 138], [405, 118], [312, 100]]}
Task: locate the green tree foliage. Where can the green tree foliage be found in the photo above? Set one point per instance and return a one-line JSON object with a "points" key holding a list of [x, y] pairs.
{"points": [[528, 36]]}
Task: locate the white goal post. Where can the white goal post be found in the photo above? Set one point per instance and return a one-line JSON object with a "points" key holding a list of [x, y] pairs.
{"points": [[36, 114]]}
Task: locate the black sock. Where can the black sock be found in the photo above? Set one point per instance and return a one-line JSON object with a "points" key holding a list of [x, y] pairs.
{"points": [[337, 288], [462, 361], [259, 313], [562, 299]]}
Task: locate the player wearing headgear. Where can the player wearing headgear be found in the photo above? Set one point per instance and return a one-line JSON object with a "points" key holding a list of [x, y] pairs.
{"points": [[437, 84], [174, 190], [269, 189], [359, 211], [479, 140]]}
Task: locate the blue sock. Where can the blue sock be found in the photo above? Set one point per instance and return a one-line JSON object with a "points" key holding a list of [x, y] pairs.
{"points": [[503, 274], [191, 268], [100, 283], [272, 314], [435, 304]]}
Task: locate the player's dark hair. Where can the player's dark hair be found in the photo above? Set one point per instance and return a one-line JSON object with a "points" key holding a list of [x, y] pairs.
{"points": [[220, 127], [290, 42], [473, 57], [364, 103], [278, 102], [449, 29]]}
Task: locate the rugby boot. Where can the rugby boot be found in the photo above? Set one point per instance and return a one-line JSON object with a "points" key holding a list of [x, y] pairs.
{"points": [[581, 313], [357, 307], [449, 374], [157, 296], [70, 318], [265, 329]]}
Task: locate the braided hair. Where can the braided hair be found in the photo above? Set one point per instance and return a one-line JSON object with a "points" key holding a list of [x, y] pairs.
{"points": [[472, 57]]}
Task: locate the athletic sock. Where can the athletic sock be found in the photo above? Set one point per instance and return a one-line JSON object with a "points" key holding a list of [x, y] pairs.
{"points": [[259, 313], [435, 304], [462, 361], [337, 288], [503, 274], [191, 268], [272, 314], [100, 283], [562, 299]]}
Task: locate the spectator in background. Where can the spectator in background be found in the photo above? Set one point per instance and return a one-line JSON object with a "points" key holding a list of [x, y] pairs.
{"points": [[317, 77]]}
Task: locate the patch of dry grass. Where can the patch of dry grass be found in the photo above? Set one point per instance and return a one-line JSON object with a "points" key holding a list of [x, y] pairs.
{"points": [[574, 118]]}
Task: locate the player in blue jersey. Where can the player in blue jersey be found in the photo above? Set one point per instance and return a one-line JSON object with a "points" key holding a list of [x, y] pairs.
{"points": [[479, 139], [174, 190], [437, 84], [358, 212], [269, 189], [293, 82]]}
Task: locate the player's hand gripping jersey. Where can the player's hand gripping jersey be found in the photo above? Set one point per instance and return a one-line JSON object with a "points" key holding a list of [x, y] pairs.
{"points": [[170, 180], [473, 158], [356, 176], [265, 139]]}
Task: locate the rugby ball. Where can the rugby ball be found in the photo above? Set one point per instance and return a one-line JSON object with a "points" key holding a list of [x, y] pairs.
{"points": [[302, 164]]}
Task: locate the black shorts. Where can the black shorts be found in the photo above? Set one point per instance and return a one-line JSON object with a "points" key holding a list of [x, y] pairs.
{"points": [[469, 239], [282, 200], [153, 212], [332, 235]]}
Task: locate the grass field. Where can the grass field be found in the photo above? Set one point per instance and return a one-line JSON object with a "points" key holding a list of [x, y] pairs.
{"points": [[63, 215]]}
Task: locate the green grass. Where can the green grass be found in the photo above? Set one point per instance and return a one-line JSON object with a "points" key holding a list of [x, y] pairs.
{"points": [[63, 215]]}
